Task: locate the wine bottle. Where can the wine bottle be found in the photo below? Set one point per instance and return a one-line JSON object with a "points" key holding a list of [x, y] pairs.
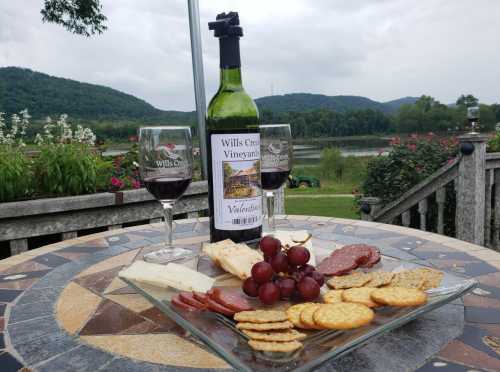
{"points": [[233, 145]]}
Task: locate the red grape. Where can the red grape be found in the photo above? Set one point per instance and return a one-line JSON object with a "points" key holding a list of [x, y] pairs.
{"points": [[298, 255], [262, 272], [269, 246], [308, 288], [250, 287], [292, 269], [279, 263], [298, 275], [320, 279], [287, 287], [307, 269], [269, 293]]}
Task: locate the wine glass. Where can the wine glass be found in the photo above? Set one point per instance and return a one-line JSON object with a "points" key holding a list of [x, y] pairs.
{"points": [[166, 167], [276, 162]]}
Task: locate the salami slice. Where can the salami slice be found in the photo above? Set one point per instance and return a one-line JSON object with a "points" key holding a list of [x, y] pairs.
{"points": [[213, 305], [188, 298], [374, 258], [231, 298], [177, 302], [336, 265]]}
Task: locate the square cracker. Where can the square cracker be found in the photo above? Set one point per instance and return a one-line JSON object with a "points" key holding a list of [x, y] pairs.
{"points": [[380, 278], [408, 279], [282, 347], [265, 326], [261, 316], [349, 281]]}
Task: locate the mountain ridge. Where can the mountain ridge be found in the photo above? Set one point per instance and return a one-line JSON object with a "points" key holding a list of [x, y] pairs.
{"points": [[44, 95]]}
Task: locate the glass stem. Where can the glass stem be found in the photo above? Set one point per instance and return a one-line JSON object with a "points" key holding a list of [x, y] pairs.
{"points": [[167, 214], [270, 210]]}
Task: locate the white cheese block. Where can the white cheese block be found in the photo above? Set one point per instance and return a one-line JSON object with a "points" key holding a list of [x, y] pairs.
{"points": [[171, 275]]}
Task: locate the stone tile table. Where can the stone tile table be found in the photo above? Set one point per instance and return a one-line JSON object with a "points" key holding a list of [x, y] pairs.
{"points": [[62, 307]]}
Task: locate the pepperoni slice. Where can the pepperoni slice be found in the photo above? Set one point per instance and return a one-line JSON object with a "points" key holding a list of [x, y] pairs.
{"points": [[336, 265], [213, 305], [188, 298], [374, 258], [176, 301], [231, 299]]}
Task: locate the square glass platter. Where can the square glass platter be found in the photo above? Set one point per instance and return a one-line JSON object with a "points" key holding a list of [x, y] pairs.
{"points": [[220, 335]]}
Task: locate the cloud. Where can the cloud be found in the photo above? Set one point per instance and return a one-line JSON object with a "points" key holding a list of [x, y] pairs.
{"points": [[379, 49]]}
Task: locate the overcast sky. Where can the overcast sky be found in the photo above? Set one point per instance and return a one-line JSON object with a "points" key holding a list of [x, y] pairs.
{"points": [[381, 49]]}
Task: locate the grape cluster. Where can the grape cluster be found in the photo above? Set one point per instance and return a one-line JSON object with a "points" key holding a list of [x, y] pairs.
{"points": [[283, 274]]}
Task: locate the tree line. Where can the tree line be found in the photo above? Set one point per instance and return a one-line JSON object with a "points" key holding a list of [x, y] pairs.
{"points": [[426, 115]]}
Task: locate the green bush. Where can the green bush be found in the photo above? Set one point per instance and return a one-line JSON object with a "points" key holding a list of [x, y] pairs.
{"points": [[332, 163], [68, 169], [388, 177], [16, 178]]}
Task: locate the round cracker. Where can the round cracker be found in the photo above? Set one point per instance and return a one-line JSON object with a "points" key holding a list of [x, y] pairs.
{"points": [[264, 326], [343, 315], [276, 336], [306, 316], [349, 281], [399, 296], [333, 296], [293, 313], [281, 347], [359, 296], [261, 316]]}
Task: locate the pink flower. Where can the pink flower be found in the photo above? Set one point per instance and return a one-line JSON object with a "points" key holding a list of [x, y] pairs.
{"points": [[412, 147], [450, 160], [116, 182], [419, 168], [414, 136], [380, 151], [136, 184]]}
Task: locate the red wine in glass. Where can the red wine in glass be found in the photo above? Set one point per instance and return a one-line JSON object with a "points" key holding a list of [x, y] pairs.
{"points": [[167, 188], [272, 179]]}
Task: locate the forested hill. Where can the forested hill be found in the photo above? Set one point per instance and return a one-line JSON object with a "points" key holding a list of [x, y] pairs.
{"points": [[300, 102], [44, 95]]}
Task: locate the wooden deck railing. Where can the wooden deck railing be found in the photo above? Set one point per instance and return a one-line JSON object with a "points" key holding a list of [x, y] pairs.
{"points": [[474, 177]]}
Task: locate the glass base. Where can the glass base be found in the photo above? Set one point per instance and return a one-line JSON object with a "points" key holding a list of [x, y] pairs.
{"points": [[165, 255]]}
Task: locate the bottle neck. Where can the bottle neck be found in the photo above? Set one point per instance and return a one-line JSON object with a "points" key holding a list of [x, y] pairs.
{"points": [[230, 63]]}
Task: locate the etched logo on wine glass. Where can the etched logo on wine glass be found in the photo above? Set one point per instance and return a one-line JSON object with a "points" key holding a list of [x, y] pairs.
{"points": [[276, 155], [170, 155]]}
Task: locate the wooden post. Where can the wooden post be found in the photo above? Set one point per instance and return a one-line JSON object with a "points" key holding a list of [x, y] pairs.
{"points": [[369, 207], [422, 210], [18, 246], [496, 211], [471, 188], [487, 211], [406, 218], [440, 200]]}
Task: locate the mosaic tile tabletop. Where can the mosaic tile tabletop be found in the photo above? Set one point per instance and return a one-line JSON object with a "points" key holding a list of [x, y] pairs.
{"points": [[62, 307]]}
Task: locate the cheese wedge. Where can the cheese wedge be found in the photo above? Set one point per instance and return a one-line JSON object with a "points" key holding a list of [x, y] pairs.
{"points": [[291, 238], [171, 275]]}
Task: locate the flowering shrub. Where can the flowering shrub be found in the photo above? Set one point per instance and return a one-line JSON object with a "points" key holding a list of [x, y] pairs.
{"points": [[16, 177], [408, 163], [125, 171], [61, 132], [14, 135]]}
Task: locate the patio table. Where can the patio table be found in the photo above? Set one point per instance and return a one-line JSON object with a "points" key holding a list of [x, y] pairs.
{"points": [[64, 309]]}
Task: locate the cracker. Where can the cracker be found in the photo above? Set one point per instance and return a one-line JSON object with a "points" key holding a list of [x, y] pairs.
{"points": [[399, 296], [408, 279], [432, 277], [261, 316], [265, 326], [306, 316], [280, 336], [343, 315], [333, 296], [349, 281], [380, 278], [359, 296], [293, 313], [282, 347]]}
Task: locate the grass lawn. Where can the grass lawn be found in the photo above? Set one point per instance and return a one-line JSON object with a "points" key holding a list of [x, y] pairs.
{"points": [[327, 187], [330, 207]]}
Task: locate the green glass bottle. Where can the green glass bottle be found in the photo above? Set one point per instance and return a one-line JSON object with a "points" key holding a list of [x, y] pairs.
{"points": [[233, 145]]}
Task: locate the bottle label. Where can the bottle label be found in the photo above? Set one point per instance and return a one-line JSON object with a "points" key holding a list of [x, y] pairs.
{"points": [[237, 190]]}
